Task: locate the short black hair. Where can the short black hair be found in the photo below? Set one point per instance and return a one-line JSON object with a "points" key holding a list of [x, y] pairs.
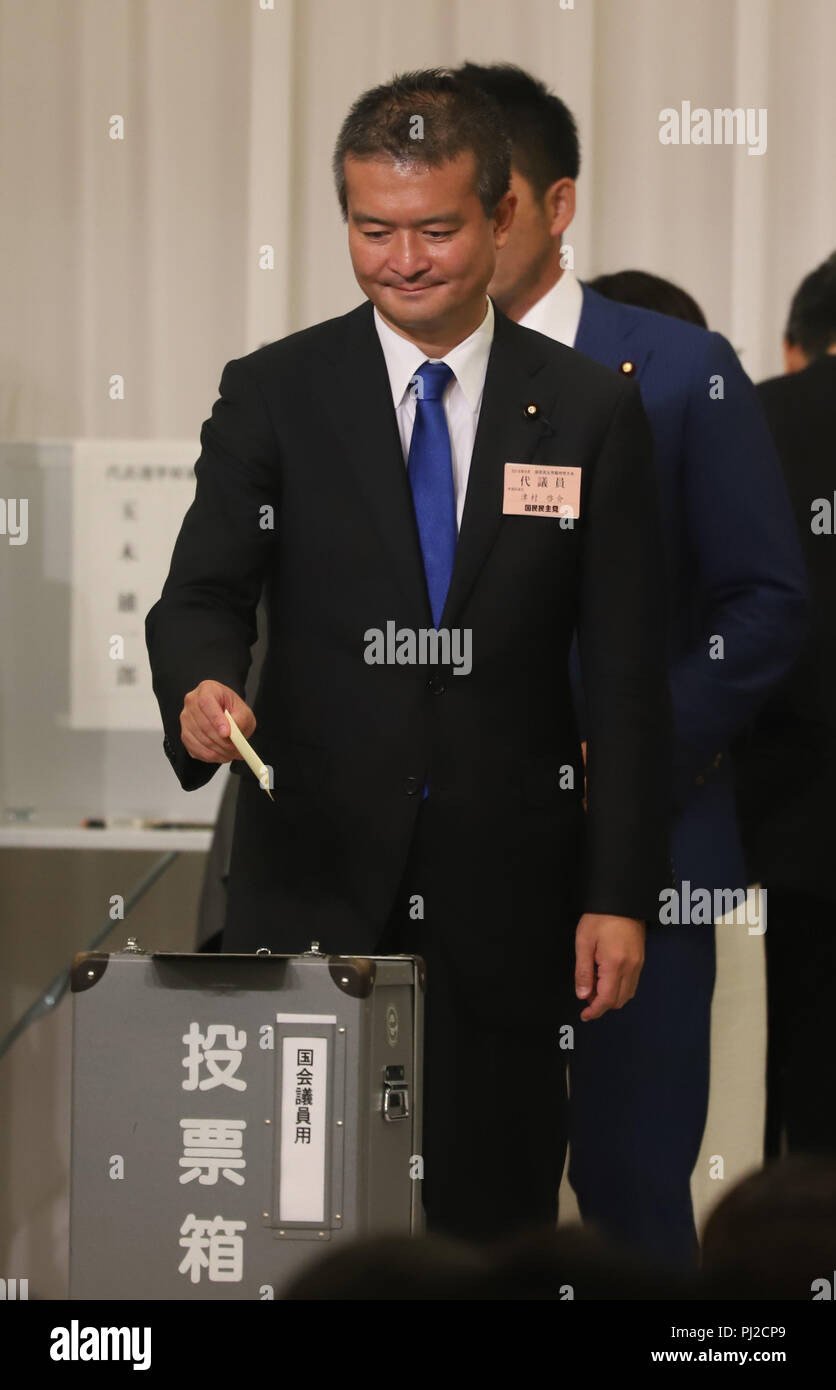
{"points": [[455, 117], [812, 320], [542, 128], [648, 291]]}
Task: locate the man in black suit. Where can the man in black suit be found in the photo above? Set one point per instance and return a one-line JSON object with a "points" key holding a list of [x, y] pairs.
{"points": [[416, 463], [786, 761]]}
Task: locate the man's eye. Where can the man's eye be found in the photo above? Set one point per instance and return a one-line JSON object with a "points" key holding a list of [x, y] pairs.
{"points": [[374, 236], [438, 234]]}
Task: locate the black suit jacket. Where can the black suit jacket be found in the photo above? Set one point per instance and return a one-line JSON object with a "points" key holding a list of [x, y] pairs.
{"points": [[305, 428], [785, 762]]}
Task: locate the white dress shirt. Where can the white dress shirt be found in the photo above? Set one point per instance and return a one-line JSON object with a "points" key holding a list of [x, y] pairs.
{"points": [[558, 313], [462, 397]]}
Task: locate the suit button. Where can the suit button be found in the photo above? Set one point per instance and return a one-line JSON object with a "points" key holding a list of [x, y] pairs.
{"points": [[411, 786], [700, 780], [436, 685]]}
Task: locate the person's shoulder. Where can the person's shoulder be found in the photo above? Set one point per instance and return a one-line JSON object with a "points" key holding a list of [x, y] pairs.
{"points": [[294, 349], [778, 388], [681, 343], [818, 379], [580, 371], [801, 405], [648, 322]]}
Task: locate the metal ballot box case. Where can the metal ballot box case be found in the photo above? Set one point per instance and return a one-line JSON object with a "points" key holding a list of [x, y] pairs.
{"points": [[233, 1116]]}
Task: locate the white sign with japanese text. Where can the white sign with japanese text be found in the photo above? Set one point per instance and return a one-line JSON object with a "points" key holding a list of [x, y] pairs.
{"points": [[303, 1116], [129, 499]]}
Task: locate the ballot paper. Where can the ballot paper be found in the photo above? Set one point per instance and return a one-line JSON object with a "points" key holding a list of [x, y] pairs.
{"points": [[249, 754]]}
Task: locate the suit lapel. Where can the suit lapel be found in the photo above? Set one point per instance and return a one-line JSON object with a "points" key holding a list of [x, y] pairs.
{"points": [[359, 402], [517, 377], [608, 335]]}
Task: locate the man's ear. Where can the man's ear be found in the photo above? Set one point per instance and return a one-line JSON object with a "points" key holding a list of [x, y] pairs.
{"points": [[560, 205], [503, 217], [794, 359]]}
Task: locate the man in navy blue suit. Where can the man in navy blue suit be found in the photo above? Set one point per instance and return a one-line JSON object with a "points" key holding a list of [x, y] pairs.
{"points": [[737, 618]]}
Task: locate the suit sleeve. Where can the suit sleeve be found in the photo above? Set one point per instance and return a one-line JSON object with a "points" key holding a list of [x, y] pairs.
{"points": [[749, 575], [203, 625], [621, 638]]}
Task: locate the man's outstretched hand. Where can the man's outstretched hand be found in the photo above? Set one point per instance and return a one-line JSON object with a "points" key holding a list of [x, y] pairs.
{"points": [[203, 728], [609, 955]]}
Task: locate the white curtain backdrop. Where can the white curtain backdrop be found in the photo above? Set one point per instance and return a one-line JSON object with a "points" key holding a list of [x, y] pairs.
{"points": [[141, 256]]}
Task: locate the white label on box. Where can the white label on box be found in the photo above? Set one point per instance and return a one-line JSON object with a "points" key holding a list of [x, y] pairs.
{"points": [[302, 1153]]}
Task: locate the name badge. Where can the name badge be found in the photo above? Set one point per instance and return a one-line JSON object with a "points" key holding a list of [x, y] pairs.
{"points": [[544, 490]]}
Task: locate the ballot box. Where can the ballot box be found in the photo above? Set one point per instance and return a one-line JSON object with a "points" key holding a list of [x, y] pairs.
{"points": [[235, 1117]]}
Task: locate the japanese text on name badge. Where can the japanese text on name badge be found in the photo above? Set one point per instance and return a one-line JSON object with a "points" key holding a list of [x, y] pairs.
{"points": [[541, 491]]}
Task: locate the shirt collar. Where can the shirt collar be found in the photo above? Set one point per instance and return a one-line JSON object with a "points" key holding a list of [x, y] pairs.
{"points": [[558, 313], [468, 360]]}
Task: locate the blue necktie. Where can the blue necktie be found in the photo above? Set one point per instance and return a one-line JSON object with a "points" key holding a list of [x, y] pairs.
{"points": [[430, 473]]}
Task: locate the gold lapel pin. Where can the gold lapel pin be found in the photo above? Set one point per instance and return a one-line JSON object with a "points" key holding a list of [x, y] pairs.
{"points": [[628, 368], [531, 411]]}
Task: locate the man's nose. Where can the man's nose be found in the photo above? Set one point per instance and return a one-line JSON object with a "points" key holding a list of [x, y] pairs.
{"points": [[408, 256]]}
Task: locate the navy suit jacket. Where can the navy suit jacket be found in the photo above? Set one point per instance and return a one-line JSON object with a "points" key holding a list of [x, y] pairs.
{"points": [[735, 568]]}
